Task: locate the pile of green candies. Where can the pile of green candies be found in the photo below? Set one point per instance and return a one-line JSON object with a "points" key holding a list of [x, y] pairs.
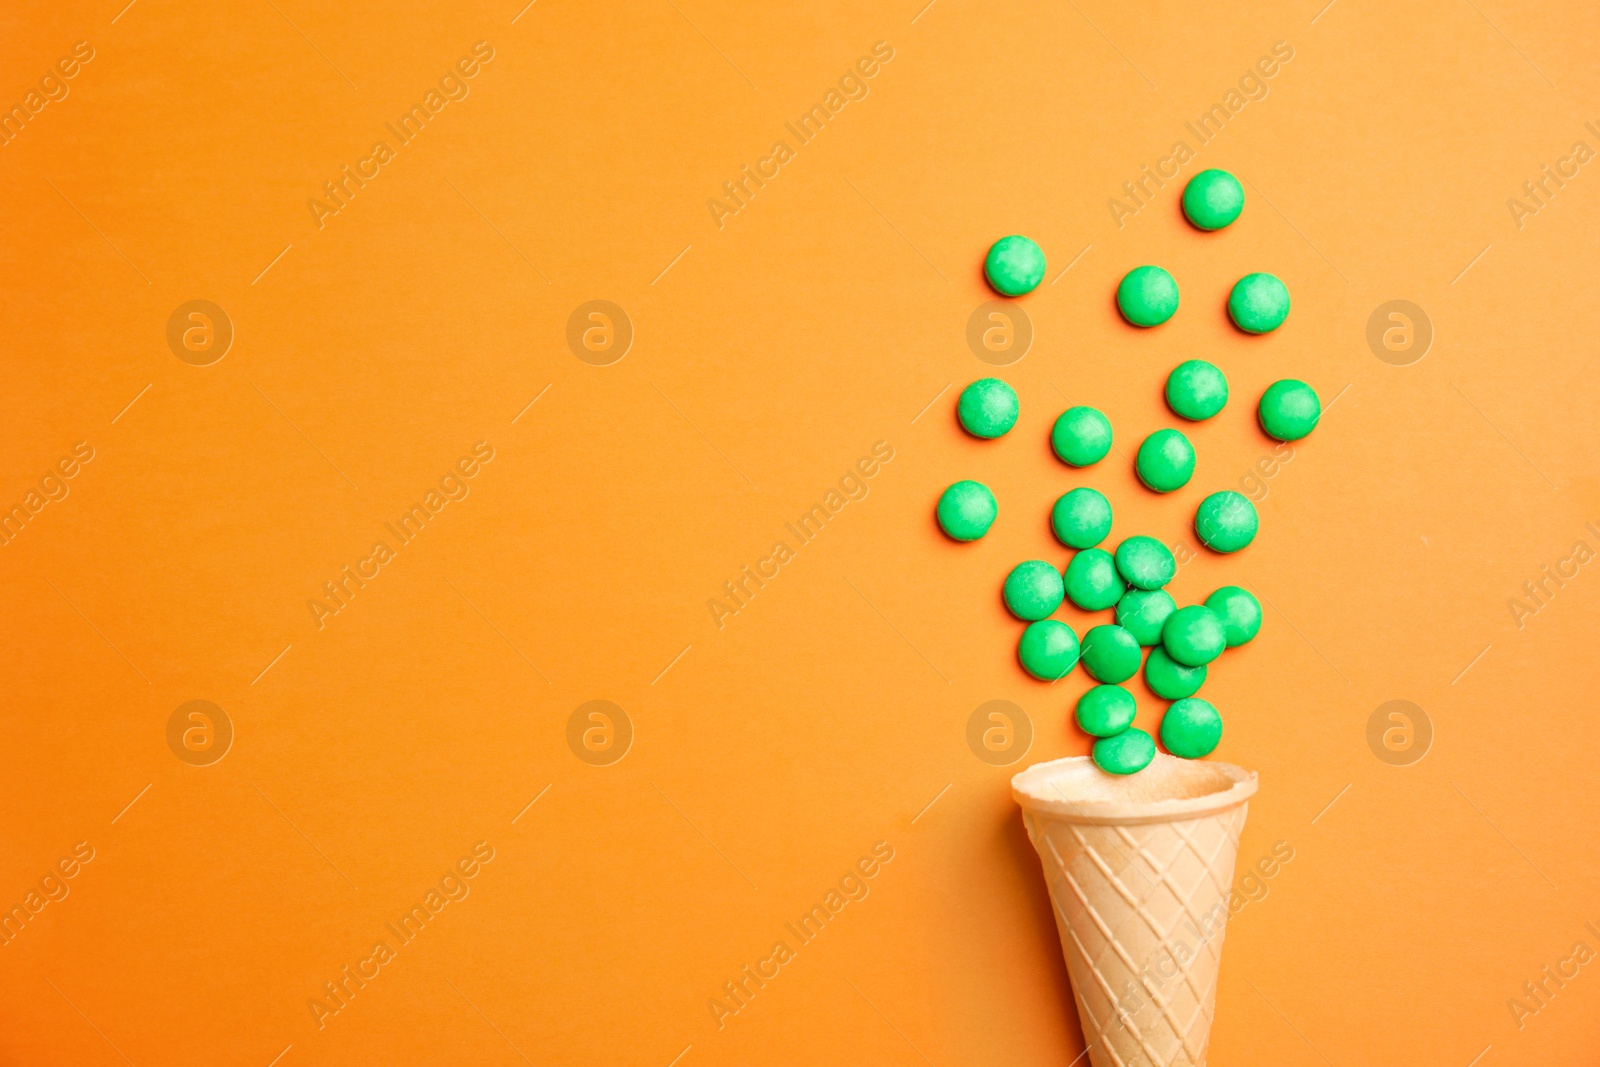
{"points": [[1130, 581]]}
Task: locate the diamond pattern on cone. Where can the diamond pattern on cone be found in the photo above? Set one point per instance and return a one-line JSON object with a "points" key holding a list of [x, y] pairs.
{"points": [[1141, 910]]}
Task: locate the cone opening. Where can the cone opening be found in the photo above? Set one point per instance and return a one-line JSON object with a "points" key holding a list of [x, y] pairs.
{"points": [[1076, 790]]}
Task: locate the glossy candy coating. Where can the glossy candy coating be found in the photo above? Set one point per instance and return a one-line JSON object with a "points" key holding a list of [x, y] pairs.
{"points": [[966, 510], [1081, 518], [1127, 753], [1033, 590], [1048, 649]]}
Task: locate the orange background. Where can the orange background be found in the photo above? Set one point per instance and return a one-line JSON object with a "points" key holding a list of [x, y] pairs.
{"points": [[769, 755]]}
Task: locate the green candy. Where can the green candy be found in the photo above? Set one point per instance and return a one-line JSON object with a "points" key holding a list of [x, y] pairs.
{"points": [[1194, 636], [1106, 710], [1213, 199], [1145, 562], [1092, 582], [1033, 590], [1014, 266], [1127, 753], [967, 510], [1226, 521], [1048, 650], [1111, 654], [1170, 679], [1289, 410], [1259, 303], [1081, 436], [1240, 613], [1191, 728], [1165, 461], [1143, 613], [1147, 296], [987, 408], [1081, 518], [1196, 390]]}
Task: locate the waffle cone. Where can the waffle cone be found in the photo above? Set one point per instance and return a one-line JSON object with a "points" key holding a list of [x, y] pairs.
{"points": [[1139, 870]]}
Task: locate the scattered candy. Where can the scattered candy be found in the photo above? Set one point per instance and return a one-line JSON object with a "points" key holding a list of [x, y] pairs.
{"points": [[987, 408], [1048, 650], [1170, 679], [1226, 521], [1194, 636], [1191, 728], [1289, 410], [1165, 461], [1239, 611], [1033, 590], [1213, 199], [1145, 562], [1092, 581], [1081, 518], [1143, 613], [1110, 653], [967, 510], [1182, 641], [1106, 710], [1081, 436], [1128, 752], [1196, 390], [1015, 265], [1147, 296], [1259, 303]]}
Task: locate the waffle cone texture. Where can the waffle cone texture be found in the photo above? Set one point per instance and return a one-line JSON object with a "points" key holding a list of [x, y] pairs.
{"points": [[1139, 871]]}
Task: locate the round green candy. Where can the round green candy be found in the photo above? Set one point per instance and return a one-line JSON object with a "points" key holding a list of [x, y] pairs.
{"points": [[1142, 613], [1145, 562], [987, 408], [1092, 581], [1106, 710], [1168, 678], [967, 510], [1014, 266], [1165, 461], [1033, 590], [1147, 296], [1081, 436], [1259, 303], [1081, 518], [1240, 613], [1196, 390], [1111, 654], [1194, 636], [1048, 649], [1127, 753], [1191, 728], [1213, 199], [1289, 410], [1226, 521]]}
